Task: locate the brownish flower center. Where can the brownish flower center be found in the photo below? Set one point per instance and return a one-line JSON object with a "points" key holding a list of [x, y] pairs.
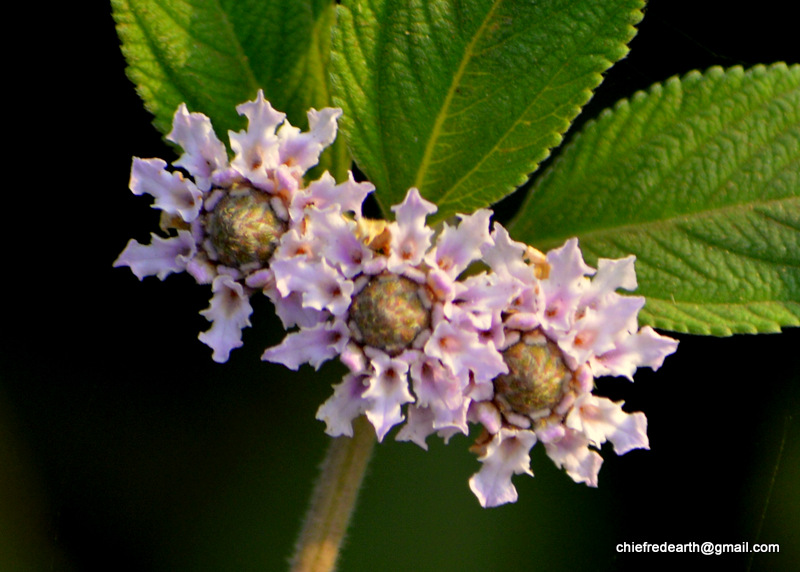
{"points": [[243, 228], [537, 375], [389, 313]]}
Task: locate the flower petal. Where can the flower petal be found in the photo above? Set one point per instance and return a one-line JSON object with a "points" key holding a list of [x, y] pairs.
{"points": [[302, 150], [458, 246], [161, 257], [322, 287], [564, 285], [505, 257], [418, 426], [571, 452], [314, 345], [346, 403], [598, 331], [204, 153], [411, 237], [229, 312], [601, 419], [506, 454], [443, 393], [387, 391], [256, 149], [611, 274], [462, 350], [482, 298], [291, 311], [324, 192], [645, 348], [335, 240], [173, 194]]}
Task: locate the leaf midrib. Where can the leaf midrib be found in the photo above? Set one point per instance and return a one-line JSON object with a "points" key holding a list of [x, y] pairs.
{"points": [[685, 156], [683, 217], [241, 55], [444, 198], [442, 116]]}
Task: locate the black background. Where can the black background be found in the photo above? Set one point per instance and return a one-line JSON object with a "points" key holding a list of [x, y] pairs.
{"points": [[124, 447]]}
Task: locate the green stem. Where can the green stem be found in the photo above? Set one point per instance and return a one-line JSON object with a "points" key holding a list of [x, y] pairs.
{"points": [[333, 500]]}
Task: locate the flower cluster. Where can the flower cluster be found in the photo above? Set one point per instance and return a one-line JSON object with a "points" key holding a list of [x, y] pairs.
{"points": [[229, 220], [438, 328], [515, 348], [560, 332], [392, 319]]}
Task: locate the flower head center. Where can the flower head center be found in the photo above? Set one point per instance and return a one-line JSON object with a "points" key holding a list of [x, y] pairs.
{"points": [[537, 376], [389, 313], [243, 228]]}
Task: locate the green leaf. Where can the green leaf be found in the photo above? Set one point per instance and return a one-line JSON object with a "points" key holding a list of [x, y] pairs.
{"points": [[700, 179], [215, 54], [463, 99]]}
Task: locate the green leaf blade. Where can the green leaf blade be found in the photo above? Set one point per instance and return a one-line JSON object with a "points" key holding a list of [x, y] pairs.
{"points": [[464, 99], [700, 179], [215, 54]]}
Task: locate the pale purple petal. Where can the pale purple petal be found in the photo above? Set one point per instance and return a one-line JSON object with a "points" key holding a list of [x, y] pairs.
{"points": [[487, 414], [160, 258], [611, 275], [645, 348], [204, 153], [302, 150], [346, 403], [293, 242], [314, 345], [411, 238], [598, 331], [257, 148], [440, 391], [202, 270], [324, 192], [417, 427], [482, 298], [421, 422], [387, 392], [601, 419], [348, 195], [173, 193], [335, 240], [322, 287], [507, 454], [288, 179], [354, 359], [228, 313], [434, 384], [443, 289], [462, 350], [564, 285], [292, 312], [572, 453], [458, 246], [505, 257], [260, 279], [479, 390]]}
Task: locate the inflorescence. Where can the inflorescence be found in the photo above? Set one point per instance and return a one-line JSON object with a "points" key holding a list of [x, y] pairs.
{"points": [[429, 347]]}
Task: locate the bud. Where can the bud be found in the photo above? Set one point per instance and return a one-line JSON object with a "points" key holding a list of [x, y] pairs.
{"points": [[389, 313], [537, 375], [243, 228]]}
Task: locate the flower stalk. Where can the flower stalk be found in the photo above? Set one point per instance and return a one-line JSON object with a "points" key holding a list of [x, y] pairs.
{"points": [[333, 500]]}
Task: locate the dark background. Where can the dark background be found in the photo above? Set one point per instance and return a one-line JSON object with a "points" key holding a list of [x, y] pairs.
{"points": [[124, 447]]}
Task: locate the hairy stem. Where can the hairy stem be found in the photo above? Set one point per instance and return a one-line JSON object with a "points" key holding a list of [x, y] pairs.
{"points": [[333, 500]]}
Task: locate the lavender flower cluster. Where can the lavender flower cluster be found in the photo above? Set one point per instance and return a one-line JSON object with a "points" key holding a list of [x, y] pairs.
{"points": [[438, 328]]}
